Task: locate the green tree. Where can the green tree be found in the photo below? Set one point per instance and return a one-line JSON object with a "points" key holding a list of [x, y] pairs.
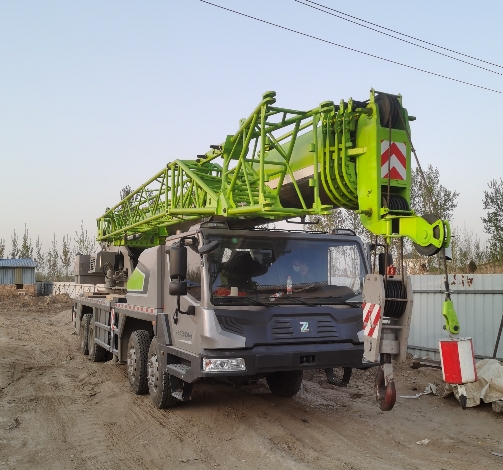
{"points": [[14, 252], [430, 196], [2, 248], [52, 261], [493, 222], [66, 254], [40, 259], [26, 250]]}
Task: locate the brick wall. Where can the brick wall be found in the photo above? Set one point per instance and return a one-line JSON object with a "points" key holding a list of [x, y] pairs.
{"points": [[28, 289]]}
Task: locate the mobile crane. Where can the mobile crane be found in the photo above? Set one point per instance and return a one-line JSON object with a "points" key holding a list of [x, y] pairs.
{"points": [[193, 286]]}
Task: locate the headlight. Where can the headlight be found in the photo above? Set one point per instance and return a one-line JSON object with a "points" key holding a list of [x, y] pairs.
{"points": [[360, 336], [223, 365]]}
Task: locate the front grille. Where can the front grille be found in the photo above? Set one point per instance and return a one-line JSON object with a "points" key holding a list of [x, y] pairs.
{"points": [[92, 264], [282, 329], [326, 327], [231, 325]]}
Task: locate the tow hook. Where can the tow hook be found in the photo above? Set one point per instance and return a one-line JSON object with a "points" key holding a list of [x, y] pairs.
{"points": [[339, 382], [385, 387]]}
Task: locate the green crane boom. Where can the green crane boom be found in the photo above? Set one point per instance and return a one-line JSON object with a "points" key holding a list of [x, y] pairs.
{"points": [[283, 163]]}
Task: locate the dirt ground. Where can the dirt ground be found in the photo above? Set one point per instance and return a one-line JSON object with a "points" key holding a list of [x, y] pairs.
{"points": [[61, 411]]}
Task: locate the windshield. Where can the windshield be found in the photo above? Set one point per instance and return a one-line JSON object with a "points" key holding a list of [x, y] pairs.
{"points": [[272, 271]]}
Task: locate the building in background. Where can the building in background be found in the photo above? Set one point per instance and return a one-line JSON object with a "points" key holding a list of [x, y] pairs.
{"points": [[18, 275]]}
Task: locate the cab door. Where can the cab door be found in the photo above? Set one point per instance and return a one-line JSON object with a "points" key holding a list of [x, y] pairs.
{"points": [[183, 327]]}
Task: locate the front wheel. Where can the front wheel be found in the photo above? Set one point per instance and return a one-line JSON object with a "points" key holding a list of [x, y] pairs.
{"points": [[285, 383], [159, 386], [137, 352]]}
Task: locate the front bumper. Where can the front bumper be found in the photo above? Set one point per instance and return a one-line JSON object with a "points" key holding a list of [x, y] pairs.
{"points": [[262, 360]]}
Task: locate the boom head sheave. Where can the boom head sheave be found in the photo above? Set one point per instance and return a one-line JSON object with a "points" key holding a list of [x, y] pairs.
{"points": [[284, 163]]}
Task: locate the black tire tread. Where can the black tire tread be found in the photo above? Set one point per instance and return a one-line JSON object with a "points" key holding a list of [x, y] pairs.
{"points": [[97, 353], [161, 398], [84, 333], [141, 342], [285, 383]]}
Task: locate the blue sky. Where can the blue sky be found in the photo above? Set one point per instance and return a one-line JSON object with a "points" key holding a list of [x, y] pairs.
{"points": [[97, 95]]}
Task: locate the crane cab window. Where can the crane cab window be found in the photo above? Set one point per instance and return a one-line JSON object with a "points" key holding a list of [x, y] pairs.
{"points": [[272, 271]]}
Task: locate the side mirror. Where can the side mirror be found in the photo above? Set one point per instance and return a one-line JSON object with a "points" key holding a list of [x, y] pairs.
{"points": [[177, 262], [209, 247], [178, 288]]}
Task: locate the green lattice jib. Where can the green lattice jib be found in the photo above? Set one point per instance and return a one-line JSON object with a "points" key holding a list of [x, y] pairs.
{"points": [[339, 148]]}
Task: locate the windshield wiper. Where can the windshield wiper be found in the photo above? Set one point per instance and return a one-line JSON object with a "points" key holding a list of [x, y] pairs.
{"points": [[249, 300], [340, 300], [300, 301]]}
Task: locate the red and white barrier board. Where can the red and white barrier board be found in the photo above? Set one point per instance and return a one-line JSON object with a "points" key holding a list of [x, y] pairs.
{"points": [[371, 319], [458, 362]]}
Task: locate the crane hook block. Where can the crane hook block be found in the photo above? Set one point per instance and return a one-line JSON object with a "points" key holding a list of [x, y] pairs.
{"points": [[451, 319]]}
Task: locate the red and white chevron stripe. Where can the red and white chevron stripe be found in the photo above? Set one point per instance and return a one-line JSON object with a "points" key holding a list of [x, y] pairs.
{"points": [[371, 319], [398, 163]]}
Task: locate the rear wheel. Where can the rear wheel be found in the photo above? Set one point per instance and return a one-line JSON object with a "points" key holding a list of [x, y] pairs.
{"points": [[137, 354], [159, 386], [84, 333], [285, 383], [97, 353]]}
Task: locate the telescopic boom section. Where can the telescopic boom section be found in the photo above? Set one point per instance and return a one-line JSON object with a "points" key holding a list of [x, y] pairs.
{"points": [[283, 163]]}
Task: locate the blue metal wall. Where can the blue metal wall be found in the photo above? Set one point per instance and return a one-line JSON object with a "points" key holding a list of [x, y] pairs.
{"points": [[478, 301], [7, 275]]}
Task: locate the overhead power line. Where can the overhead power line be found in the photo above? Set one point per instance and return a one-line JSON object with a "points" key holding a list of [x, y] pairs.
{"points": [[338, 15], [405, 35], [351, 49]]}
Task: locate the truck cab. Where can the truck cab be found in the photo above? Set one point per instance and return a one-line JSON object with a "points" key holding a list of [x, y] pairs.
{"points": [[263, 302]]}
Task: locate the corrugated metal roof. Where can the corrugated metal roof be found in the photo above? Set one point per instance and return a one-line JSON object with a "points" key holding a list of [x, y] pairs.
{"points": [[18, 263]]}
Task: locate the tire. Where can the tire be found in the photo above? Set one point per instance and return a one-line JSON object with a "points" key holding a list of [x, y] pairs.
{"points": [[158, 382], [97, 353], [285, 384], [84, 333], [137, 353]]}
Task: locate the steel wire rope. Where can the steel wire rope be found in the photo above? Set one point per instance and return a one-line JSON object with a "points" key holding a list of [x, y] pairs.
{"points": [[405, 35], [399, 39], [351, 49], [433, 205]]}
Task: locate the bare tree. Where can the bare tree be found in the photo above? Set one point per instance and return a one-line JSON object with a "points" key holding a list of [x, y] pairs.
{"points": [[468, 253], [85, 245], [430, 196], [125, 192], [2, 247]]}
